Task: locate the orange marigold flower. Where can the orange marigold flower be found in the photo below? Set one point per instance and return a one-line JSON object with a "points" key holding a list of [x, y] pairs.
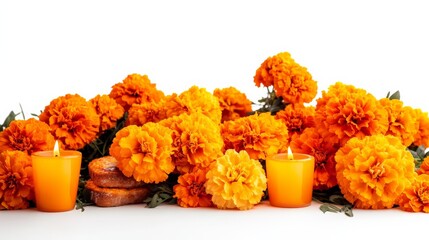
{"points": [[297, 118], [236, 181], [424, 167], [144, 152], [190, 189], [422, 135], [290, 81], [416, 197], [260, 134], [196, 140], [402, 120], [27, 136], [73, 120], [193, 100], [16, 180], [312, 142], [374, 170], [108, 110], [273, 68], [142, 113], [135, 88], [346, 112], [233, 103]]}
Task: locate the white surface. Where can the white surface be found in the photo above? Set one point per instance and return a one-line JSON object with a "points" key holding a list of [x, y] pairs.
{"points": [[173, 222], [50, 48]]}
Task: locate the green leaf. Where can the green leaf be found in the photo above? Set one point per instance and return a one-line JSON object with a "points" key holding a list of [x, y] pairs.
{"points": [[327, 207], [396, 95]]}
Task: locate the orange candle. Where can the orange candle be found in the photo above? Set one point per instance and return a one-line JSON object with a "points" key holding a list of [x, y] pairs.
{"points": [[290, 179], [56, 179]]}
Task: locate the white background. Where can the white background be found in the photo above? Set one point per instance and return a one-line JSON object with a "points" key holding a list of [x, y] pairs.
{"points": [[51, 48]]}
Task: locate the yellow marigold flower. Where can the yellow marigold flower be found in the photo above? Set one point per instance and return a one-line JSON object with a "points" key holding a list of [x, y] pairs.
{"points": [[135, 88], [260, 134], [424, 167], [416, 197], [27, 136], [236, 181], [346, 112], [312, 142], [290, 81], [108, 110], [190, 190], [402, 120], [297, 118], [16, 180], [139, 114], [233, 103], [193, 100], [422, 135], [374, 170], [196, 140], [73, 120], [144, 152]]}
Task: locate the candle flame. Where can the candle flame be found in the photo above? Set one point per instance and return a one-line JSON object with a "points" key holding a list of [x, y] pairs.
{"points": [[289, 153], [56, 149]]}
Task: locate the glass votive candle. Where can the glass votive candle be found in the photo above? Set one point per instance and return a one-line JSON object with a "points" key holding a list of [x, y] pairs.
{"points": [[56, 179], [290, 181]]}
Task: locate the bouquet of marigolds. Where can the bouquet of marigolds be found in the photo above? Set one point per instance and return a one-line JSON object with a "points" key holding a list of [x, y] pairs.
{"points": [[208, 149]]}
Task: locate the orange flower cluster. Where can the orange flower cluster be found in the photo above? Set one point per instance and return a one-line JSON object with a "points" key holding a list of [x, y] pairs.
{"points": [[373, 171], [73, 120], [27, 136], [290, 80], [16, 180], [416, 197], [236, 181], [233, 103], [144, 152], [260, 135], [193, 100], [190, 189], [196, 140], [135, 88], [108, 110]]}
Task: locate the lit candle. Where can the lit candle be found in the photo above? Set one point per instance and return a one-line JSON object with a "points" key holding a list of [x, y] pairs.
{"points": [[290, 179], [56, 179]]}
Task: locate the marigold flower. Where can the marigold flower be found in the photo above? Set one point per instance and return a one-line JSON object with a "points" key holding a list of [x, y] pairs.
{"points": [[73, 120], [144, 152], [424, 167], [313, 143], [346, 112], [193, 100], [236, 181], [196, 140], [290, 81], [297, 118], [416, 197], [141, 113], [16, 180], [190, 189], [27, 136], [374, 170], [135, 88], [260, 134], [233, 103], [402, 120], [108, 110], [273, 68], [422, 135]]}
